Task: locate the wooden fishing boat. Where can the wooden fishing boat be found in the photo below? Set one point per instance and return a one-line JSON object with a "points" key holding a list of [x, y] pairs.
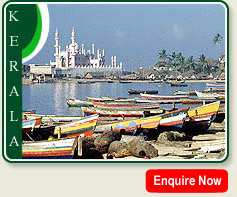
{"points": [[103, 99], [130, 91], [55, 119], [125, 106], [204, 96], [29, 112], [41, 133], [174, 82], [124, 81], [87, 111], [173, 120], [164, 97], [178, 92], [30, 123], [151, 122], [215, 85], [84, 125], [78, 103], [199, 119], [220, 117], [189, 92], [85, 82], [214, 90], [198, 102], [178, 85], [125, 100], [55, 149]]}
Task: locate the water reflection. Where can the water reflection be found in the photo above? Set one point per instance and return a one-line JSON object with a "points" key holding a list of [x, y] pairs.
{"points": [[50, 98]]}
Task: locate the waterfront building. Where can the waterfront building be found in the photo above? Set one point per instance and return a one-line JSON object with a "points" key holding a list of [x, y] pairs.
{"points": [[76, 61]]}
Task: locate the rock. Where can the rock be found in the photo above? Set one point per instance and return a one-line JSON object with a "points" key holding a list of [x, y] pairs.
{"points": [[118, 149], [88, 142], [103, 141], [140, 148], [171, 136]]}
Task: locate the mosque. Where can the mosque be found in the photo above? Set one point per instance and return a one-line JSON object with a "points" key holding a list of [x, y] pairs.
{"points": [[76, 60]]}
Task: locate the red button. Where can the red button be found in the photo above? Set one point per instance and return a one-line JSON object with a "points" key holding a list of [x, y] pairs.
{"points": [[187, 181]]}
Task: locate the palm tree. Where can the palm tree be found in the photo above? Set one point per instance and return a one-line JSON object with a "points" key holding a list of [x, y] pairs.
{"points": [[162, 55], [204, 64], [190, 65], [217, 39]]}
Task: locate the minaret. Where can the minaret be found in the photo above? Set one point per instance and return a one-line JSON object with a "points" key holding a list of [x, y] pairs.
{"points": [[103, 53], [115, 64], [112, 61], [98, 53], [57, 48], [93, 50], [83, 49], [73, 49]]}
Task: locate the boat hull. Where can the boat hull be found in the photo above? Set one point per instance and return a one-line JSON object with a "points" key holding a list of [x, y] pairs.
{"points": [[86, 124], [199, 119], [56, 149], [131, 125]]}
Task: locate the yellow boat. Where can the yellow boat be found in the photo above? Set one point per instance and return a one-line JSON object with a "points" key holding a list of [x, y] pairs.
{"points": [[131, 125], [199, 119], [84, 125]]}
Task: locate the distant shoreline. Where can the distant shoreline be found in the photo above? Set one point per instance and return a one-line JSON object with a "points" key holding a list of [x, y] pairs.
{"points": [[28, 82]]}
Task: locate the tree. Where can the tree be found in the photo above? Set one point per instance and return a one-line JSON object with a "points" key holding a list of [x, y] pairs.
{"points": [[204, 64], [217, 39], [162, 55], [190, 64]]}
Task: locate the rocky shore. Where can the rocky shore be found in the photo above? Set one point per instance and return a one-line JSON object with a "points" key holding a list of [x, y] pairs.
{"points": [[169, 145]]}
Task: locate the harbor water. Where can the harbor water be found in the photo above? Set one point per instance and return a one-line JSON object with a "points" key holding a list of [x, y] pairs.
{"points": [[50, 98]]}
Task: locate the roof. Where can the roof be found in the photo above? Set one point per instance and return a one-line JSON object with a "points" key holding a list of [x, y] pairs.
{"points": [[96, 74]]}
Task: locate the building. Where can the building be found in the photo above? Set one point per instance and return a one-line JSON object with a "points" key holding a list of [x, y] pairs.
{"points": [[75, 60], [94, 75]]}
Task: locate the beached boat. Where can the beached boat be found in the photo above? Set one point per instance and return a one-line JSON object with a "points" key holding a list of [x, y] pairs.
{"points": [[160, 97], [130, 91], [78, 103], [86, 124], [199, 119], [99, 99], [56, 119], [173, 120], [30, 123], [125, 100], [41, 133], [125, 105], [202, 95], [55, 149], [151, 122], [87, 111], [29, 112]]}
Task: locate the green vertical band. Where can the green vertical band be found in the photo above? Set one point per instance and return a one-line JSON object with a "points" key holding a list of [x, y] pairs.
{"points": [[34, 42]]}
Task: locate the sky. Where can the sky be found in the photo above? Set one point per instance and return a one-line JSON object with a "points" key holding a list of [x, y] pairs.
{"points": [[137, 33]]}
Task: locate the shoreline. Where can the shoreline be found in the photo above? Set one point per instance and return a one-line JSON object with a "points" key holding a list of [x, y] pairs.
{"points": [[28, 82]]}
